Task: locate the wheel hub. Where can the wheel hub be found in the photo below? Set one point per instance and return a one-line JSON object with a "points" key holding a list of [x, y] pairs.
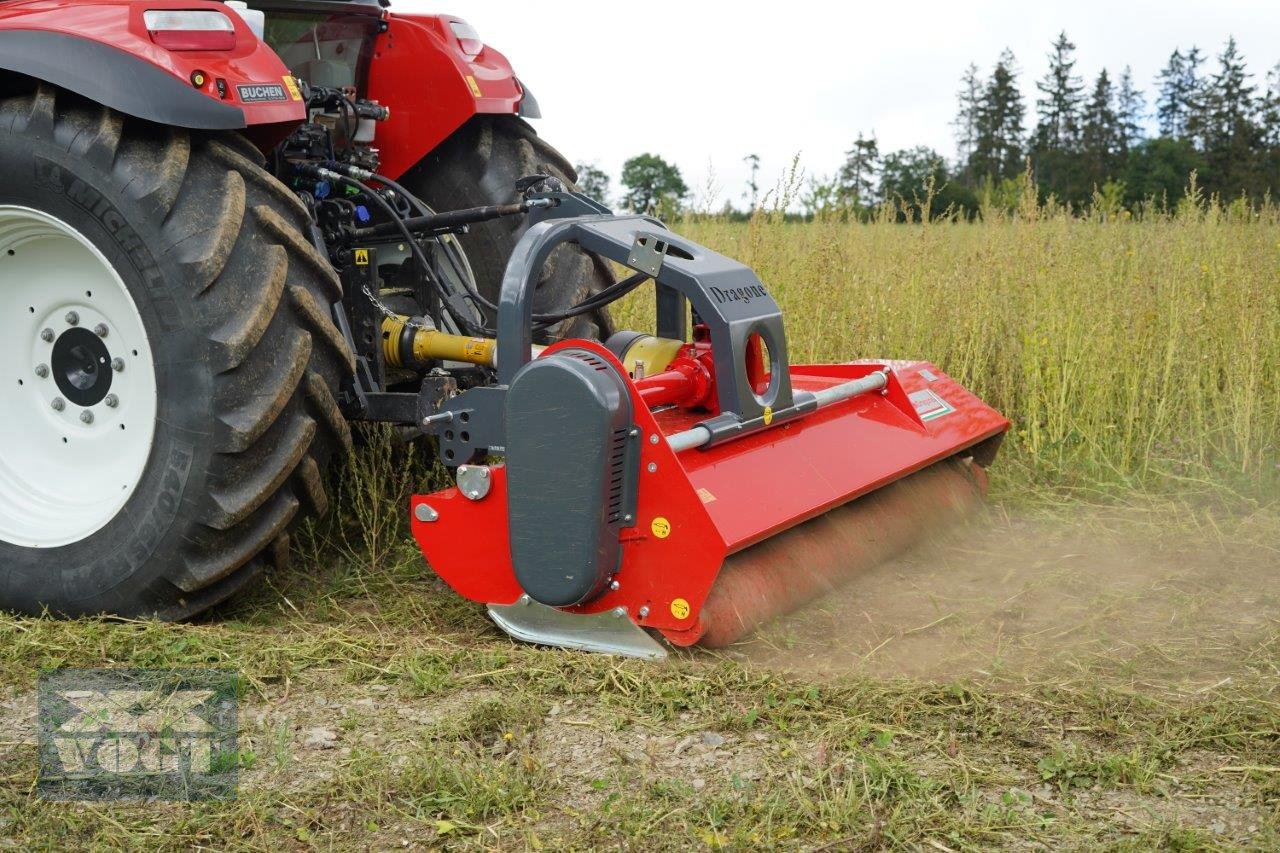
{"points": [[82, 367], [77, 384]]}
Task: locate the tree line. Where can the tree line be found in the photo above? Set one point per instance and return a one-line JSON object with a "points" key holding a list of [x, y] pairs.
{"points": [[1088, 144]]}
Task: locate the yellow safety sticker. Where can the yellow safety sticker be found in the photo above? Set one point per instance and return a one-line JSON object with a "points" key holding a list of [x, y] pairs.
{"points": [[475, 87], [292, 85], [475, 347], [768, 415], [706, 496], [680, 608], [362, 257], [661, 527]]}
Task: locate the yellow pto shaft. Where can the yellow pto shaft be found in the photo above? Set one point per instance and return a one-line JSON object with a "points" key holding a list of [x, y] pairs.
{"points": [[404, 345]]}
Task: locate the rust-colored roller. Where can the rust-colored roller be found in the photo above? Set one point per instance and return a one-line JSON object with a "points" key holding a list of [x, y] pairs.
{"points": [[808, 561]]}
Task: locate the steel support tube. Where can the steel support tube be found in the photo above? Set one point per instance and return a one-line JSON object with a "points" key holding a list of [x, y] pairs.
{"points": [[700, 435]]}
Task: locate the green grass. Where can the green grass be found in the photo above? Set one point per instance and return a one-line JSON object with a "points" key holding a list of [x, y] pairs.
{"points": [[1139, 363], [1131, 356]]}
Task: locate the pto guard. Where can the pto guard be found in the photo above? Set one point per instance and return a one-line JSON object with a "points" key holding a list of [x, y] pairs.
{"points": [[697, 508]]}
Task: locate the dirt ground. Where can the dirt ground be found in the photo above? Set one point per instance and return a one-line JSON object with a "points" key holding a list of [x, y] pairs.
{"points": [[1021, 683], [1024, 600]]}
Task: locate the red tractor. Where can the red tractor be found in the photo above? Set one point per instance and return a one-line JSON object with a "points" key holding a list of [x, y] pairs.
{"points": [[228, 233]]}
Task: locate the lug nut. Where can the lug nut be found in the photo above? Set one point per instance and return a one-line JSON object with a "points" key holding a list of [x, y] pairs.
{"points": [[117, 364], [100, 330], [86, 417], [42, 370], [111, 400], [47, 335], [58, 404], [72, 318]]}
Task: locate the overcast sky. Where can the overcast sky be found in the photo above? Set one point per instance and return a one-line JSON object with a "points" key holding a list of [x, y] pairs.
{"points": [[705, 82]]}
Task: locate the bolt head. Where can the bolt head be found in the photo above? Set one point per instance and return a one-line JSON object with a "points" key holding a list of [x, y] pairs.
{"points": [[652, 467], [111, 400], [47, 335], [58, 404], [653, 439], [643, 611], [615, 586], [42, 370], [86, 417], [100, 330], [72, 318], [117, 364], [484, 473], [627, 518]]}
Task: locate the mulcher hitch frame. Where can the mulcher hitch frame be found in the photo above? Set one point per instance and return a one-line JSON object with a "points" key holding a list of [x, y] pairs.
{"points": [[726, 296]]}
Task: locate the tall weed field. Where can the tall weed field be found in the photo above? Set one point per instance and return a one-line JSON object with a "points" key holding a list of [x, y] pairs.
{"points": [[1130, 355]]}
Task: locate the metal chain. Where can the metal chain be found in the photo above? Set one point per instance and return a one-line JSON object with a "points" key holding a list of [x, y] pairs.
{"points": [[393, 315], [412, 322]]}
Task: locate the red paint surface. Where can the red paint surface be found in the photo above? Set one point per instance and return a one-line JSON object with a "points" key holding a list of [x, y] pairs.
{"points": [[420, 71], [119, 24]]}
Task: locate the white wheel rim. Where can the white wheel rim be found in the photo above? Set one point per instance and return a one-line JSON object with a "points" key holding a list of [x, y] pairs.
{"points": [[65, 474]]}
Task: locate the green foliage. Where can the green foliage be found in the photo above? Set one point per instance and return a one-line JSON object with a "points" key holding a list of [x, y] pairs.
{"points": [[1217, 124], [652, 185], [1158, 169], [920, 184], [593, 181], [856, 185]]}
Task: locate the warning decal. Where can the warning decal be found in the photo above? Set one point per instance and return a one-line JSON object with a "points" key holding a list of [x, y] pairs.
{"points": [[929, 405]]}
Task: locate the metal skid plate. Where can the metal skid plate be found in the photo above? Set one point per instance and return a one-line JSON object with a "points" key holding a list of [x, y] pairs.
{"points": [[610, 632]]}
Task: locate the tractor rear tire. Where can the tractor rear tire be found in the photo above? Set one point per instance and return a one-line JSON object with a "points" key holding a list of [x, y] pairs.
{"points": [[169, 268], [479, 165]]}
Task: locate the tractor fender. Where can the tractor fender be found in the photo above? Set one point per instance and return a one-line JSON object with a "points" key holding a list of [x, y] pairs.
{"points": [[433, 87], [102, 51], [114, 79]]}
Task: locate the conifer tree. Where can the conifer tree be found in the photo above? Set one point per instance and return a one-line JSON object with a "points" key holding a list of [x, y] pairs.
{"points": [[997, 152], [1131, 108], [1101, 136], [1228, 126], [1179, 96], [1059, 105], [858, 174], [966, 120]]}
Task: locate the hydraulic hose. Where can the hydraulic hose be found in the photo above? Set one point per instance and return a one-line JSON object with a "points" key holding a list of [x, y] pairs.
{"points": [[419, 258]]}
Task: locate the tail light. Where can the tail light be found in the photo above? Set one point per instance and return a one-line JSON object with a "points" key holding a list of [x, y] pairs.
{"points": [[183, 29], [468, 38]]}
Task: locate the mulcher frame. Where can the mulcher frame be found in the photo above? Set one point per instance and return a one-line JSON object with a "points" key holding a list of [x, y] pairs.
{"points": [[818, 437]]}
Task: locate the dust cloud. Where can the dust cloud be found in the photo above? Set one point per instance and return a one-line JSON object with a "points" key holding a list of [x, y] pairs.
{"points": [[1020, 600]]}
